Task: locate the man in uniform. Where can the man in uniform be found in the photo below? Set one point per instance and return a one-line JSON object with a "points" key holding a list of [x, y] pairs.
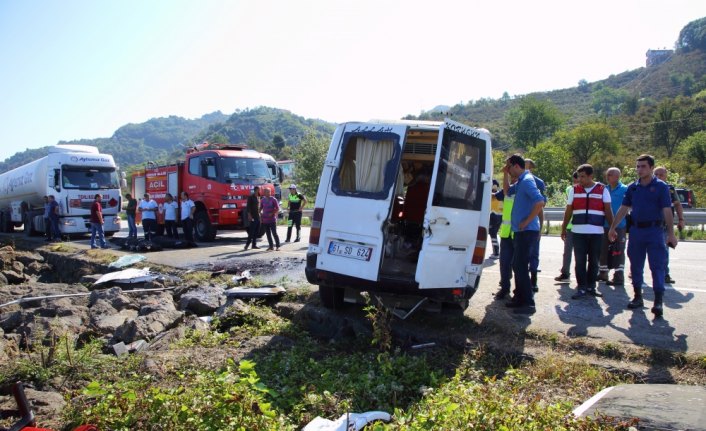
{"points": [[651, 207], [296, 203]]}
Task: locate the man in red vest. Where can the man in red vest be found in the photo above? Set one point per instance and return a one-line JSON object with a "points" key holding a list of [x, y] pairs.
{"points": [[589, 205]]}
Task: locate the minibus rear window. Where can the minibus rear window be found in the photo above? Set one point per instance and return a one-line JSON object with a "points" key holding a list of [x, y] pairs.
{"points": [[368, 165]]}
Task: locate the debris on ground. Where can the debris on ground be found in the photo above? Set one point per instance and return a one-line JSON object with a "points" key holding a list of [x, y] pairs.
{"points": [[244, 276], [128, 276], [255, 292], [348, 421], [127, 260]]}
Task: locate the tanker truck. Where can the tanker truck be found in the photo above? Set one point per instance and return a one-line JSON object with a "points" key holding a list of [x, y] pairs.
{"points": [[74, 174]]}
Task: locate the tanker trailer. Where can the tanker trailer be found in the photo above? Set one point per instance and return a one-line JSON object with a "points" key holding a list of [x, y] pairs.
{"points": [[73, 174]]}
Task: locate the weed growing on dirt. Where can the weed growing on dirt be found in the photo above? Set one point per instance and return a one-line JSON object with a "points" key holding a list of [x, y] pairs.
{"points": [[231, 399], [57, 357], [380, 318]]}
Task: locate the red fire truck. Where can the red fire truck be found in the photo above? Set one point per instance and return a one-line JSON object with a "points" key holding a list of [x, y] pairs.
{"points": [[218, 178]]}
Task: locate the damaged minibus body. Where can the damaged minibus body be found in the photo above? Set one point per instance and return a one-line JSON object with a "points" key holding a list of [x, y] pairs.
{"points": [[402, 209]]}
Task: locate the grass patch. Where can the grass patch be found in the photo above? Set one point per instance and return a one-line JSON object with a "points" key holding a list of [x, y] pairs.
{"points": [[62, 247]]}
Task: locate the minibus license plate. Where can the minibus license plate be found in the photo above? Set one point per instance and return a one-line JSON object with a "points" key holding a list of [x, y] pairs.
{"points": [[348, 250]]}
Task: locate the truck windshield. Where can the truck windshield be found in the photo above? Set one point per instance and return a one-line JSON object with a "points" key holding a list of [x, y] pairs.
{"points": [[243, 170], [89, 178]]}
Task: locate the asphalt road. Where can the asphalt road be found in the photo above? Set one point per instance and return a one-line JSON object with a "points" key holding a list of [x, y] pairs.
{"points": [[681, 329]]}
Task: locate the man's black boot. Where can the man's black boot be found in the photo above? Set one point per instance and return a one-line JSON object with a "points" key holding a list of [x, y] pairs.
{"points": [[637, 300], [657, 309]]}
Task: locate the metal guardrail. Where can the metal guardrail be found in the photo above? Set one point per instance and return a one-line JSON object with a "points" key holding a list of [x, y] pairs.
{"points": [[692, 216]]}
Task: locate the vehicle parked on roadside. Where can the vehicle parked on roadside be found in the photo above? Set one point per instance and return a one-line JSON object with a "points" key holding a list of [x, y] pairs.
{"points": [[402, 210], [218, 179], [686, 197], [73, 174]]}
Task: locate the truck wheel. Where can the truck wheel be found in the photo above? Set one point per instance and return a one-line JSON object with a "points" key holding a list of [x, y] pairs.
{"points": [[203, 229], [331, 297]]}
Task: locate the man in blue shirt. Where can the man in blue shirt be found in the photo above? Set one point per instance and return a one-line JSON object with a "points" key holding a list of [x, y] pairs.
{"points": [[534, 253], [528, 203], [651, 211], [614, 253]]}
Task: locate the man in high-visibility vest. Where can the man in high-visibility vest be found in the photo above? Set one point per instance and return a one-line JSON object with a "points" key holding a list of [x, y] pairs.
{"points": [[496, 216], [295, 204], [507, 196]]}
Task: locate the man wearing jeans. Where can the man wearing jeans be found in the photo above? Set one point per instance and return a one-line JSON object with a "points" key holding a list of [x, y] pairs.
{"points": [[528, 203], [589, 205]]}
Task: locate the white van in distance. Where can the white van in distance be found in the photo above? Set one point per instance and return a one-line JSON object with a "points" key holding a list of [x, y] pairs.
{"points": [[402, 210]]}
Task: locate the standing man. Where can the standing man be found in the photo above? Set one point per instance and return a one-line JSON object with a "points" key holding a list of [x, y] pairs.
{"points": [[170, 208], [188, 209], [47, 223], [534, 253], [269, 208], [507, 250], [252, 218], [148, 208], [589, 205], [565, 273], [54, 213], [496, 219], [131, 211], [614, 252], [651, 210], [295, 205], [97, 222], [661, 173], [525, 228]]}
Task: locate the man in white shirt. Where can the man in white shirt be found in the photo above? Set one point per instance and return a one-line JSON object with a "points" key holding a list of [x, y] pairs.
{"points": [[148, 208], [589, 205], [188, 208]]}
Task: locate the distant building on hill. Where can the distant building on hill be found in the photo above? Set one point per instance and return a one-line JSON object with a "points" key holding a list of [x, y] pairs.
{"points": [[658, 56]]}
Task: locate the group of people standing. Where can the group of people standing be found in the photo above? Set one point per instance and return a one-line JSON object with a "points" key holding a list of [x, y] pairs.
{"points": [[264, 210], [148, 209], [594, 229]]}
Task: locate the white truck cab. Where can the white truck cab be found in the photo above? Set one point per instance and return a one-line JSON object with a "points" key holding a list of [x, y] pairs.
{"points": [[402, 209]]}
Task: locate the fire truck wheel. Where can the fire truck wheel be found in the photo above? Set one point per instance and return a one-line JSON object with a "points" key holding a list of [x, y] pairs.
{"points": [[203, 229]]}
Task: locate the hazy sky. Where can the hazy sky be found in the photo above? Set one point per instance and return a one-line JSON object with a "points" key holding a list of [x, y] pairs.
{"points": [[74, 69]]}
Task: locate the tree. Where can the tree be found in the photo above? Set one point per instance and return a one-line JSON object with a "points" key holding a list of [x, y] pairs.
{"points": [[309, 160], [609, 101], [695, 148], [552, 160], [693, 36], [675, 120], [589, 141], [532, 121]]}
